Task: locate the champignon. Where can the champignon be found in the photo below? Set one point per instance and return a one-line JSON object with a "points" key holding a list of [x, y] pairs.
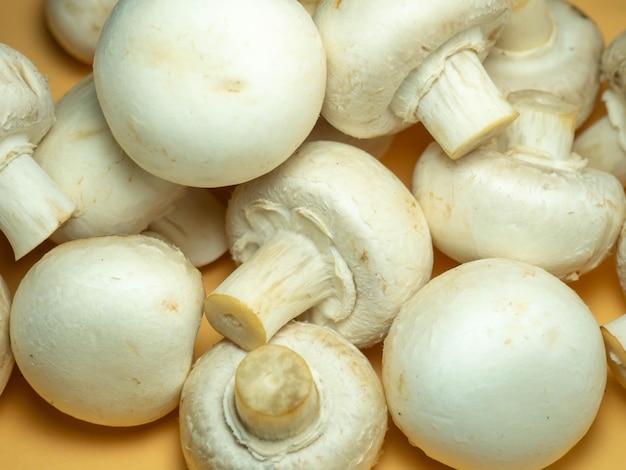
{"points": [[494, 364], [103, 328], [526, 196], [31, 205], [204, 95], [288, 404], [332, 234], [603, 143], [76, 24], [549, 45], [6, 355], [394, 63]]}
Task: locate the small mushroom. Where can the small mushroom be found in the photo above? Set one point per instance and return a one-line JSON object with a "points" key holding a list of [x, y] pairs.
{"points": [[603, 143], [526, 196], [31, 205], [76, 24], [494, 364], [103, 328], [307, 399], [331, 236], [201, 94], [549, 45], [393, 63], [6, 355]]}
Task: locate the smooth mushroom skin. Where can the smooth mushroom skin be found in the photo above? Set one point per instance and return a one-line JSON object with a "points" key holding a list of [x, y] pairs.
{"points": [[549, 45], [527, 197], [7, 361], [331, 236], [76, 24], [203, 95], [104, 328], [394, 63], [494, 364], [32, 206], [346, 434]]}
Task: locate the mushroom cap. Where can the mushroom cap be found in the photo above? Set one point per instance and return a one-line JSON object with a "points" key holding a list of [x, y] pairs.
{"points": [[203, 95], [494, 364], [492, 204], [6, 355], [347, 435], [613, 65], [103, 328], [76, 24], [27, 102], [349, 202], [373, 47], [112, 194], [569, 66]]}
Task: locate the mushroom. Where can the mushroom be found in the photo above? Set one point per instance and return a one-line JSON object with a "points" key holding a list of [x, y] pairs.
{"points": [[31, 204], [112, 194], [494, 364], [603, 143], [203, 95], [525, 196], [330, 236], [393, 63], [291, 403], [549, 45], [76, 24], [6, 355], [103, 328]]}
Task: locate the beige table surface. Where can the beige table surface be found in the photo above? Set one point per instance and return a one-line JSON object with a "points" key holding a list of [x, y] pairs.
{"points": [[35, 436]]}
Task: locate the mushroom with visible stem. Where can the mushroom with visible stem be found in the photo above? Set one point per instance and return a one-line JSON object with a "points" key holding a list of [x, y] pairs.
{"points": [[200, 94], [307, 399], [331, 236], [6, 355], [32, 206], [104, 328], [549, 45], [392, 64], [603, 143], [76, 24], [112, 194], [526, 196], [494, 364]]}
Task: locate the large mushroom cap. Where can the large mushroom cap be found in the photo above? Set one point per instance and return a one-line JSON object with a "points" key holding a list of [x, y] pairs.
{"points": [[494, 364], [103, 328], [347, 434]]}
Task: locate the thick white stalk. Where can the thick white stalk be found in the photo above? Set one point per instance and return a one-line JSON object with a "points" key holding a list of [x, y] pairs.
{"points": [[286, 276], [530, 27]]}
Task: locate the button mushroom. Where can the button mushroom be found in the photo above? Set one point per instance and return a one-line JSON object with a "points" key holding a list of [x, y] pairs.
{"points": [[289, 404], [200, 94], [549, 45], [494, 364], [6, 355], [394, 63], [103, 328], [31, 204], [527, 197], [332, 234]]}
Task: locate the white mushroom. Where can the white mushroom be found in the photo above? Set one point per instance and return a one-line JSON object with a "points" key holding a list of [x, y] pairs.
{"points": [[112, 194], [394, 63], [308, 399], [603, 143], [104, 328], [6, 355], [494, 364], [31, 204], [76, 24], [332, 234], [528, 197], [614, 335], [549, 45], [204, 94]]}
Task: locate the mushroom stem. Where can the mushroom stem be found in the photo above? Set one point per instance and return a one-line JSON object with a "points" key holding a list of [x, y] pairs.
{"points": [[546, 124], [614, 335], [286, 276], [530, 26], [32, 206], [275, 395], [463, 108]]}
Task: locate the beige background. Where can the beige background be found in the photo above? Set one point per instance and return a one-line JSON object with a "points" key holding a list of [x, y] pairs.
{"points": [[33, 435]]}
